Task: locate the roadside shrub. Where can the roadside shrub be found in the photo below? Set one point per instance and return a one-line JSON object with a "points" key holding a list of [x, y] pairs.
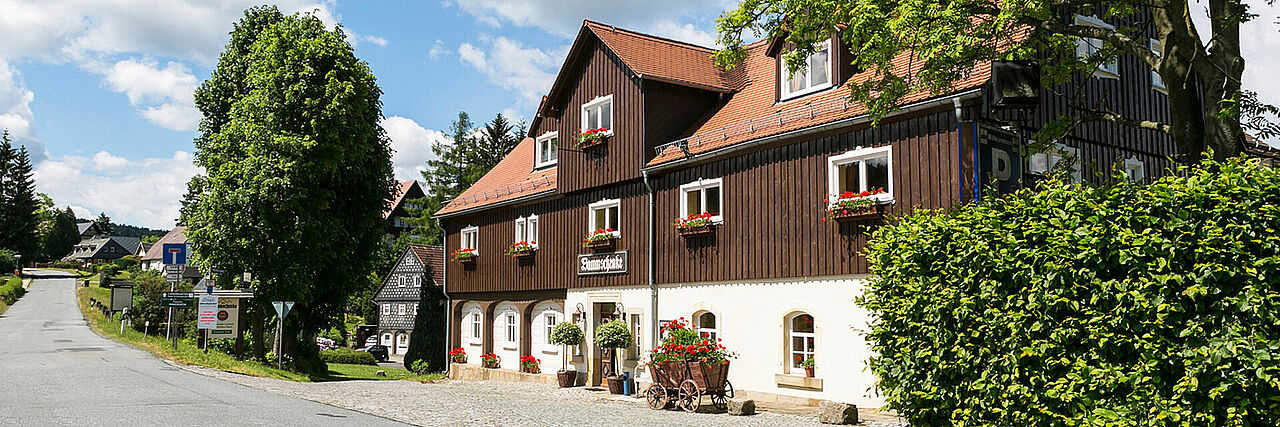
{"points": [[11, 289], [420, 367], [1069, 305], [347, 356], [286, 361], [127, 263], [7, 263], [223, 345]]}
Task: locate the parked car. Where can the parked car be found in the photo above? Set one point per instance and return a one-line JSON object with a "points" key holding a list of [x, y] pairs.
{"points": [[378, 351]]}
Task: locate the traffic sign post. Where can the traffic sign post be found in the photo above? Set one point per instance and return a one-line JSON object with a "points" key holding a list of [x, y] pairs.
{"points": [[282, 310], [207, 317], [174, 257]]}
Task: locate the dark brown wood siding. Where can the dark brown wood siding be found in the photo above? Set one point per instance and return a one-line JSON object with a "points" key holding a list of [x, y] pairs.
{"points": [[773, 203], [562, 221], [599, 73], [669, 110]]}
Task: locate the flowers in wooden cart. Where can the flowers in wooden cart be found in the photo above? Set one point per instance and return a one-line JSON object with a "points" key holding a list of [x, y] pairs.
{"points": [[529, 364], [463, 254], [851, 202], [589, 137], [596, 236], [519, 248], [681, 344], [458, 355], [693, 220]]}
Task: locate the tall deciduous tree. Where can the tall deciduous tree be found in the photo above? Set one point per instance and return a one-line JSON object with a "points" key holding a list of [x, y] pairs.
{"points": [[949, 38], [60, 235], [298, 171], [18, 203]]}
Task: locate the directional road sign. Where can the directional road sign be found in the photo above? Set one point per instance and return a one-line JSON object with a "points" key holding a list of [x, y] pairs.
{"points": [[177, 303], [282, 308], [177, 295], [174, 253], [217, 270]]}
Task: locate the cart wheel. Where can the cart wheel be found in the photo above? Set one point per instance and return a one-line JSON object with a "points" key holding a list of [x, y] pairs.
{"points": [[719, 401], [656, 395], [728, 389], [690, 396]]}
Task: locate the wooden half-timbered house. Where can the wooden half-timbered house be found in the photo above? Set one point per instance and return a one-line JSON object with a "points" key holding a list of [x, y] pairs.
{"points": [[764, 154], [419, 267]]}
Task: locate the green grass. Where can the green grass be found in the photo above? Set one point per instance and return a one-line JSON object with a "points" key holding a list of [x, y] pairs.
{"points": [[190, 354]]}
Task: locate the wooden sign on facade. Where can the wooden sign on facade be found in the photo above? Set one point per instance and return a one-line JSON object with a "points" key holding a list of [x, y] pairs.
{"points": [[602, 263]]}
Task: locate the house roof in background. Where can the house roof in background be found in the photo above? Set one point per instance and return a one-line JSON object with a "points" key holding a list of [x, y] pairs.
{"points": [[176, 235], [401, 190], [432, 256], [512, 178]]}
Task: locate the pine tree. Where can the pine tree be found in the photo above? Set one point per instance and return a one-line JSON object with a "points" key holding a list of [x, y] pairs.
{"points": [[18, 205], [103, 224]]}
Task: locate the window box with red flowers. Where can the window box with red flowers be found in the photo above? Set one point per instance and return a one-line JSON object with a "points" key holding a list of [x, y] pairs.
{"points": [[464, 256], [521, 250], [600, 239], [529, 364], [850, 206], [458, 355], [490, 360], [696, 225], [593, 137]]}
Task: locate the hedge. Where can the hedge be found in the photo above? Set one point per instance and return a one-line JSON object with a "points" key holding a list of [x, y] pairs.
{"points": [[8, 264], [347, 356], [11, 289], [1065, 305]]}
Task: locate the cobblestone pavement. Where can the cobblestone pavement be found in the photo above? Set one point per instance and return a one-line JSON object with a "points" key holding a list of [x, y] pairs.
{"points": [[494, 403]]}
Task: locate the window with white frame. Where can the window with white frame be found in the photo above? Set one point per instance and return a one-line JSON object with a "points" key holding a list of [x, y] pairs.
{"points": [[801, 342], [604, 216], [1157, 82], [1089, 47], [549, 320], [511, 327], [415, 309], [400, 309], [814, 76], [598, 114], [862, 169], [700, 196], [417, 281], [386, 309], [706, 325], [475, 324], [637, 329], [403, 339], [400, 280], [547, 145], [527, 229], [1059, 157], [1134, 170], [470, 238]]}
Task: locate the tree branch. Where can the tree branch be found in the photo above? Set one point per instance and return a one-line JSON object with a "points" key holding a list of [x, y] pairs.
{"points": [[1120, 40], [1092, 115]]}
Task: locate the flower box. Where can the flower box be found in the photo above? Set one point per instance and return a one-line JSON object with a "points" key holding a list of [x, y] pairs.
{"points": [[849, 206], [603, 243], [464, 256], [591, 138], [697, 231], [600, 239], [862, 213], [521, 250], [695, 225]]}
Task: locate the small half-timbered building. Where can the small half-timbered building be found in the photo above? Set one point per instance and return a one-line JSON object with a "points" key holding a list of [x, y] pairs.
{"points": [[417, 268], [765, 154]]}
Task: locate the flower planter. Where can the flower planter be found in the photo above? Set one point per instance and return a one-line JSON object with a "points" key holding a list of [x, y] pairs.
{"points": [[808, 371], [697, 231], [615, 384], [471, 260], [523, 254], [491, 365], [864, 213], [530, 370], [567, 378], [460, 360], [605, 243], [592, 144]]}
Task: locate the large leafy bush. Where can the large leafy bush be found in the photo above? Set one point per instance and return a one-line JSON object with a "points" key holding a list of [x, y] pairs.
{"points": [[348, 356], [1068, 305]]}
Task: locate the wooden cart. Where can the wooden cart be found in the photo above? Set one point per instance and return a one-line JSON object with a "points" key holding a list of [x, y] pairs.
{"points": [[684, 383]]}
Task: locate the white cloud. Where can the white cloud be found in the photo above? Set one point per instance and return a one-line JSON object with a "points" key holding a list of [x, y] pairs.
{"points": [[640, 15], [412, 146], [526, 71], [145, 192], [376, 40], [165, 95], [15, 103], [437, 49]]}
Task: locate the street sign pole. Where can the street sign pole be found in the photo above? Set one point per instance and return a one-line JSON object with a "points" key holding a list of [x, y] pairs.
{"points": [[282, 310]]}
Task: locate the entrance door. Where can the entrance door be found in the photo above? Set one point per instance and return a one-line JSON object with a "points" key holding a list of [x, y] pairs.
{"points": [[602, 312]]}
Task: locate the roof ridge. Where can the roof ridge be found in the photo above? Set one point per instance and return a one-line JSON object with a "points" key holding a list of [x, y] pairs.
{"points": [[674, 42]]}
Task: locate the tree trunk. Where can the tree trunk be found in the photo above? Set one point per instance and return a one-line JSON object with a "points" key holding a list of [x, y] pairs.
{"points": [[256, 334]]}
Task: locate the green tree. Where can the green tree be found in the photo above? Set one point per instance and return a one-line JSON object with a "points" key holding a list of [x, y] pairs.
{"points": [[103, 224], [60, 235], [19, 217], [298, 171], [427, 340], [949, 38]]}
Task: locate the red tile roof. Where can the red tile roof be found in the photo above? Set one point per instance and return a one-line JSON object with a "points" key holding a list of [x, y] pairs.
{"points": [[432, 256], [401, 189], [176, 235], [751, 113], [663, 59], [512, 178]]}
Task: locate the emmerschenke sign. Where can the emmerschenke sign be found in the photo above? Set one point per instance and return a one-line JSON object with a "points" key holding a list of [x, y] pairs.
{"points": [[602, 263]]}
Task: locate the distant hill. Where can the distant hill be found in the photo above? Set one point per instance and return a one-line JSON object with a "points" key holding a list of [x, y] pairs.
{"points": [[132, 231]]}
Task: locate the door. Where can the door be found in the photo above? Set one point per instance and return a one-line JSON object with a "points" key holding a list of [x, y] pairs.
{"points": [[602, 312]]}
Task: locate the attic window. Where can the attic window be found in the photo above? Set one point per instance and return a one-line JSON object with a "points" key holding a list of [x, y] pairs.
{"points": [[814, 76], [598, 114], [547, 146]]}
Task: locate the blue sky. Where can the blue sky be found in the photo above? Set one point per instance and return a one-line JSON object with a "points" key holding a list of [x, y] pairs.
{"points": [[100, 91]]}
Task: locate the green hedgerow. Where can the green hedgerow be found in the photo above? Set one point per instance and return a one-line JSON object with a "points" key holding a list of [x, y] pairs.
{"points": [[1072, 305]]}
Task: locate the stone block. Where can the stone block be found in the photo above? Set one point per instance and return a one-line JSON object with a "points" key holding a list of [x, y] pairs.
{"points": [[837, 413], [742, 407], [380, 374]]}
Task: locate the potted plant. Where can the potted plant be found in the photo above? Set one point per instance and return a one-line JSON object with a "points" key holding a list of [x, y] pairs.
{"points": [[464, 256], [612, 336], [592, 137], [529, 364], [490, 360], [520, 250], [458, 355], [695, 225], [850, 206], [807, 364], [602, 238], [567, 334]]}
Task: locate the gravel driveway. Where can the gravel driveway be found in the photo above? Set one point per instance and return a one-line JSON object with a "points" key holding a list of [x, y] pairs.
{"points": [[493, 403]]}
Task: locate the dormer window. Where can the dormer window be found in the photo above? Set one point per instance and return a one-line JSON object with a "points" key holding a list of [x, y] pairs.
{"points": [[547, 144], [598, 114], [814, 76]]}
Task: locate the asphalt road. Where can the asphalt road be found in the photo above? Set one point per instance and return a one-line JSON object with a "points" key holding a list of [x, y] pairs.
{"points": [[55, 371]]}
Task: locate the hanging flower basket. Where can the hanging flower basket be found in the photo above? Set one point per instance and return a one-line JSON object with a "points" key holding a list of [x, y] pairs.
{"points": [[464, 256], [695, 225], [851, 207], [521, 250], [593, 137], [600, 239]]}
